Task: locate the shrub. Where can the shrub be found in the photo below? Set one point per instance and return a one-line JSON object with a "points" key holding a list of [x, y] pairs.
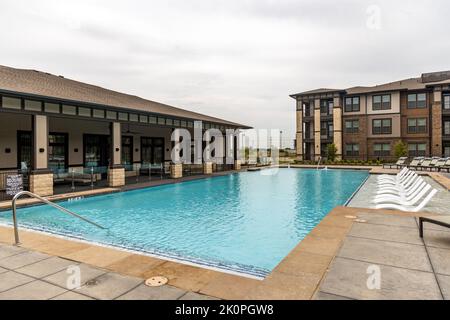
{"points": [[400, 149], [331, 151]]}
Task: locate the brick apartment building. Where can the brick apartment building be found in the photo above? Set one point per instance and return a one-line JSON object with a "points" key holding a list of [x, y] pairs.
{"points": [[365, 122]]}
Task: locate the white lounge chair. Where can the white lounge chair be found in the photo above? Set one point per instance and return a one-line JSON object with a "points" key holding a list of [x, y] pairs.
{"points": [[424, 202], [401, 188], [405, 182], [419, 184], [403, 172], [404, 201]]}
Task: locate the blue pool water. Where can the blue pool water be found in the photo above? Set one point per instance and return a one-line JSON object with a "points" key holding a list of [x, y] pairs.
{"points": [[246, 222]]}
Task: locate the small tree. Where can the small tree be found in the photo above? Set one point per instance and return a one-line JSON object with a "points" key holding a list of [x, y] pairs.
{"points": [[400, 149], [331, 152]]}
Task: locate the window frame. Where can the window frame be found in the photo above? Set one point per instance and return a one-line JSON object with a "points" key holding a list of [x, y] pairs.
{"points": [[381, 103], [416, 152], [382, 152], [416, 126], [382, 126], [352, 129], [352, 152], [351, 107], [414, 104]]}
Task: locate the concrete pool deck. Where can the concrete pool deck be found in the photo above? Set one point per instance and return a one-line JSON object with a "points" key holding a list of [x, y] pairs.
{"points": [[323, 265]]}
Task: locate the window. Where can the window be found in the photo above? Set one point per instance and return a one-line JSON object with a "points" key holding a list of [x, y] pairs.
{"points": [[51, 107], [169, 122], [84, 112], [382, 126], [32, 105], [143, 119], [183, 123], [326, 129], [447, 127], [69, 110], [111, 115], [161, 120], [447, 151], [152, 120], [134, 117], [417, 125], [57, 151], [352, 149], [326, 107], [447, 102], [307, 109], [417, 149], [176, 123], [381, 102], [11, 103], [127, 151], [123, 116], [351, 126], [96, 113], [352, 104], [417, 100], [382, 149]]}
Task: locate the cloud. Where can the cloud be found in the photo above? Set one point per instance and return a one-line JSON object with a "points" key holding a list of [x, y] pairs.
{"points": [[238, 60]]}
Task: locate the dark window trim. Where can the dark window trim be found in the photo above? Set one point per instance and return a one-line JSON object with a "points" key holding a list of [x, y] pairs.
{"points": [[443, 101], [416, 127], [382, 152], [381, 128], [66, 146], [353, 129], [19, 149], [352, 153], [381, 106], [416, 153], [353, 104], [131, 145], [415, 102]]}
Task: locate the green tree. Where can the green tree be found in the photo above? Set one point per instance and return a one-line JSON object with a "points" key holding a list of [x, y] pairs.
{"points": [[331, 152], [400, 149]]}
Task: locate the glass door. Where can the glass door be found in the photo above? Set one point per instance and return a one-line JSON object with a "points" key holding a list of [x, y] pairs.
{"points": [[96, 151], [24, 150], [57, 152]]}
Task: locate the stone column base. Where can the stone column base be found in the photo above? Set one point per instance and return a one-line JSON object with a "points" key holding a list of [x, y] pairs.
{"points": [[116, 177], [299, 157], [207, 168], [176, 171], [41, 184], [237, 165]]}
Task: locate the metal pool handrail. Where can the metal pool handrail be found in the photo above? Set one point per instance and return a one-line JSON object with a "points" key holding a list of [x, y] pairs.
{"points": [[54, 205]]}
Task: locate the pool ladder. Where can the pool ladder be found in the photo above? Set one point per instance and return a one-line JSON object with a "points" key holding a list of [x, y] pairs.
{"points": [[54, 205]]}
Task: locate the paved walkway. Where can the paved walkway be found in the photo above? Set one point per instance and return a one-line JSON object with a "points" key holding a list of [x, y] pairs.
{"points": [[410, 268], [30, 275]]}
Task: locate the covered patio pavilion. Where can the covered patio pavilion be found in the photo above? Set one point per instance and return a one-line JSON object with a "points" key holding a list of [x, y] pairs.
{"points": [[56, 130]]}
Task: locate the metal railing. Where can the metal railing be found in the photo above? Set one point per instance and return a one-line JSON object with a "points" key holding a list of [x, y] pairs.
{"points": [[54, 205]]}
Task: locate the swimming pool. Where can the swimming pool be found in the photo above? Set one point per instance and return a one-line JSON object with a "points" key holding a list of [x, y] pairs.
{"points": [[246, 222]]}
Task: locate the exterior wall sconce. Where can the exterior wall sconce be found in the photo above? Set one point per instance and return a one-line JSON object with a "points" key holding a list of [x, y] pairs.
{"points": [[7, 150], [41, 150]]}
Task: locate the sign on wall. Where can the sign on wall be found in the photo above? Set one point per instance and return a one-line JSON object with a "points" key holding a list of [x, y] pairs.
{"points": [[14, 184]]}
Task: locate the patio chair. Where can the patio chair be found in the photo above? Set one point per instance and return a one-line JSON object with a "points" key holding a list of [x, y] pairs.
{"points": [[404, 201], [446, 166], [440, 163], [404, 181], [417, 161], [440, 221], [402, 191], [424, 202], [424, 164], [389, 177], [431, 164], [399, 164]]}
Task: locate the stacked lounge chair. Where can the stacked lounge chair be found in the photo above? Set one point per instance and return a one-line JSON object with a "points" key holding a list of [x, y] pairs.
{"points": [[406, 191]]}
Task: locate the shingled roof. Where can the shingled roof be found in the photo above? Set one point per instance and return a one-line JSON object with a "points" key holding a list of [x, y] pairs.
{"points": [[47, 85]]}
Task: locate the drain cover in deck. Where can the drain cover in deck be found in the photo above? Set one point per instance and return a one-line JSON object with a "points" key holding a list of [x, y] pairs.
{"points": [[156, 281]]}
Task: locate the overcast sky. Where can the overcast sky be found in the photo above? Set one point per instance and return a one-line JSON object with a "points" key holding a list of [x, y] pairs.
{"points": [[234, 59]]}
